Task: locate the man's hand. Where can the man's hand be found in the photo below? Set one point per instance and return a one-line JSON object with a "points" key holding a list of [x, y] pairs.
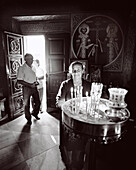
{"points": [[33, 85], [60, 103]]}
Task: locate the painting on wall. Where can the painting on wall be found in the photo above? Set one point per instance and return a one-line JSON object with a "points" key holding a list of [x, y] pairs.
{"points": [[98, 38], [95, 73]]}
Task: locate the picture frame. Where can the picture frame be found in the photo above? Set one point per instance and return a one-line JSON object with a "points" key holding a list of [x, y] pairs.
{"points": [[96, 73]]}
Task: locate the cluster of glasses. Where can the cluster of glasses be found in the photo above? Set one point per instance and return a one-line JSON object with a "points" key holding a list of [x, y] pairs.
{"points": [[76, 97], [91, 102], [94, 99]]}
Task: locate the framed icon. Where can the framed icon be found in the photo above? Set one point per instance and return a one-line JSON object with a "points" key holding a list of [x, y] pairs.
{"points": [[95, 73]]}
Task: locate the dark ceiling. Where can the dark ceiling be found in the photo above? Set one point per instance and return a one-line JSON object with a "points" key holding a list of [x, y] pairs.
{"points": [[44, 9]]}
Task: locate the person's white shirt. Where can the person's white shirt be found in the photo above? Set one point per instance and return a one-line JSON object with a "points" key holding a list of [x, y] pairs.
{"points": [[39, 73], [26, 74]]}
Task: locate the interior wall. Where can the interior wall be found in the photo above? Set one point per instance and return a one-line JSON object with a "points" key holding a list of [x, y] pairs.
{"points": [[5, 24], [66, 25], [120, 77], [58, 26], [128, 18]]}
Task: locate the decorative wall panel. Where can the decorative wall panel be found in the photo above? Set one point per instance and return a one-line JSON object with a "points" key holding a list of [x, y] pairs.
{"points": [[56, 65], [56, 46], [14, 45], [14, 58], [18, 103], [98, 38], [46, 27], [15, 87], [14, 63]]}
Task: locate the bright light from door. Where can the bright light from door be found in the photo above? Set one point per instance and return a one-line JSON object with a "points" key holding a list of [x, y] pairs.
{"points": [[35, 45]]}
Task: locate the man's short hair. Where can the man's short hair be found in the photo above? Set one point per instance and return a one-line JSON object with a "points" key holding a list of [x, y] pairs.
{"points": [[26, 55], [76, 63]]}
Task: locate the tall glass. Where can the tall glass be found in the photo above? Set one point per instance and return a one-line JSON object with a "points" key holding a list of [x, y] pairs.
{"points": [[96, 92]]}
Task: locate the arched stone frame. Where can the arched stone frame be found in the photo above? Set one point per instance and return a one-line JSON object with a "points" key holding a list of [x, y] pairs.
{"points": [[102, 25]]}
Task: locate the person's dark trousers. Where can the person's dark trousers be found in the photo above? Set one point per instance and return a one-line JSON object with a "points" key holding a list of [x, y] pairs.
{"points": [[27, 93], [41, 98]]}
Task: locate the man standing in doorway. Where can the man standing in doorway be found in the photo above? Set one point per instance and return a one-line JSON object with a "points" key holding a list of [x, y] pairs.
{"points": [[27, 77]]}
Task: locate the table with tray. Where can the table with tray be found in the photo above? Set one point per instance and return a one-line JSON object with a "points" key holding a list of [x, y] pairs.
{"points": [[81, 129]]}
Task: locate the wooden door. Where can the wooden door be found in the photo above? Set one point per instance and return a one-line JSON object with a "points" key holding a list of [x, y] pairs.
{"points": [[14, 51], [57, 50]]}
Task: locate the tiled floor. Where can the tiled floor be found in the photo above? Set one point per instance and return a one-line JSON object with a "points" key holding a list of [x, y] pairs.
{"points": [[35, 147]]}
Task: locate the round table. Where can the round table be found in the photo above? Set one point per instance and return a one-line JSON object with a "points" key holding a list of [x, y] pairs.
{"points": [[81, 128]]}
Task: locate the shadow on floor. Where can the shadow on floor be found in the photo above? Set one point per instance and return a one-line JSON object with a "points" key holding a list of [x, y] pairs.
{"points": [[6, 119], [55, 112]]}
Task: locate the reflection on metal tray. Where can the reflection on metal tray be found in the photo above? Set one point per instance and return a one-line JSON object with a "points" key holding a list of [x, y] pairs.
{"points": [[101, 115], [116, 115], [116, 105], [103, 123]]}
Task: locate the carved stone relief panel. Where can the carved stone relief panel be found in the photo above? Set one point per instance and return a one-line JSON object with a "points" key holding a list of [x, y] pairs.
{"points": [[98, 38], [45, 27]]}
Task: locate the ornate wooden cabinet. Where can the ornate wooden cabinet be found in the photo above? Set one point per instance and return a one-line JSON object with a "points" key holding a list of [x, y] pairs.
{"points": [[13, 49]]}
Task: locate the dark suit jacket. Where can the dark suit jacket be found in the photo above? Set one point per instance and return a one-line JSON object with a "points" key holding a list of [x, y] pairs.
{"points": [[65, 89]]}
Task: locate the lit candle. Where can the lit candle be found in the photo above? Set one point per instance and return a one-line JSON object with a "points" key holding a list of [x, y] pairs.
{"points": [[86, 102], [78, 91], [72, 97], [75, 92], [81, 92], [71, 92]]}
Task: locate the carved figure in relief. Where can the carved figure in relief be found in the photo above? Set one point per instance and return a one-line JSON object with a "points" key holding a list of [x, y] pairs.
{"points": [[83, 43], [112, 31]]}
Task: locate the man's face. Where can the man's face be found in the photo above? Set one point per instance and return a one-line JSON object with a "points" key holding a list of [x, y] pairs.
{"points": [[29, 60], [77, 71], [83, 30]]}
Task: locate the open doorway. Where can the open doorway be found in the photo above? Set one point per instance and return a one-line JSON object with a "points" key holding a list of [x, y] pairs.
{"points": [[35, 44]]}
